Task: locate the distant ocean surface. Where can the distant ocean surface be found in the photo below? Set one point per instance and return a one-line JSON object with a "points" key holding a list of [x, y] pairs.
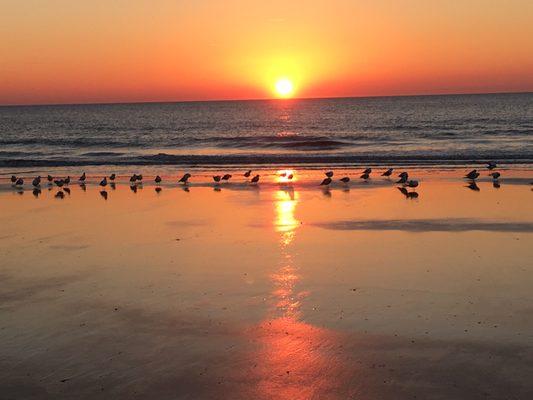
{"points": [[415, 130]]}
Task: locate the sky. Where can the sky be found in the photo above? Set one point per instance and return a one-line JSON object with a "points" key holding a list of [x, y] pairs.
{"points": [[59, 51]]}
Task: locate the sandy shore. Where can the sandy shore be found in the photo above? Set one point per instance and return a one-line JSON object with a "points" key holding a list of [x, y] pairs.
{"points": [[283, 290]]}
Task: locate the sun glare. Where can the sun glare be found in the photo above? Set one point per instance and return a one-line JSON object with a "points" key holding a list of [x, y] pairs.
{"points": [[284, 88]]}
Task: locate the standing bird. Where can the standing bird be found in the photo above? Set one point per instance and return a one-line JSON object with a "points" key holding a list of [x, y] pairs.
{"points": [[132, 179], [185, 178], [326, 181], [412, 183], [388, 172], [472, 174], [50, 178], [112, 177], [67, 180], [255, 179], [365, 175], [13, 179], [329, 174], [59, 182], [491, 165], [157, 179], [216, 178], [402, 179], [19, 182], [495, 175], [290, 176], [226, 177], [248, 173], [346, 179], [403, 175], [37, 181], [139, 177], [82, 178], [103, 182], [367, 171]]}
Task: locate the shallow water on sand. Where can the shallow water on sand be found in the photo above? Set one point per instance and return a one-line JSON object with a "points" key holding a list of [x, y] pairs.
{"points": [[284, 291]]}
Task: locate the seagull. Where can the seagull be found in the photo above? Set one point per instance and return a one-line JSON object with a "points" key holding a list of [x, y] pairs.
{"points": [[50, 178], [13, 179], [496, 184], [255, 179], [346, 179], [67, 180], [388, 172], [495, 175], [185, 178], [157, 179], [19, 182], [412, 183], [365, 175], [59, 182], [216, 178], [36, 181], [326, 181], [491, 165], [367, 171], [112, 177], [329, 174], [472, 174], [103, 182], [248, 173], [226, 177], [82, 177]]}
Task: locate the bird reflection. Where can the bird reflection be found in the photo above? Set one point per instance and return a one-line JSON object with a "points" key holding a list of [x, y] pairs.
{"points": [[408, 194], [83, 187], [473, 186], [36, 192], [133, 188], [113, 185], [496, 185], [60, 195], [66, 190], [103, 193], [158, 190]]}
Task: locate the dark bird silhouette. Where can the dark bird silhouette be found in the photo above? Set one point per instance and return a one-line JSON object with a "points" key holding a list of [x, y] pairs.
{"points": [[50, 178], [248, 173], [66, 190], [112, 177], [403, 175], [367, 171], [290, 176], [158, 190], [66, 181], [36, 181], [13, 179], [103, 182], [496, 185], [59, 195], [365, 176], [59, 182], [185, 178], [472, 174], [19, 182], [255, 179], [412, 183], [326, 181], [226, 177], [329, 174], [491, 165], [133, 178], [36, 192], [403, 179], [216, 178], [103, 193], [346, 179], [158, 179], [133, 188], [139, 178], [388, 172], [495, 175], [82, 177]]}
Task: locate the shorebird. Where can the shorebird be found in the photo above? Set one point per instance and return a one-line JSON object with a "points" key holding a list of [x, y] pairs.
{"points": [[403, 175], [255, 179], [290, 176], [13, 179], [59, 182], [185, 178], [329, 174], [346, 179], [283, 174], [157, 179], [388, 172], [82, 178], [19, 182], [495, 175], [491, 165], [60, 195], [248, 173], [412, 183], [36, 181], [132, 179], [216, 178], [112, 177], [326, 181], [139, 177], [67, 180], [403, 179], [472, 174], [103, 182], [367, 171], [365, 175], [50, 178], [226, 177]]}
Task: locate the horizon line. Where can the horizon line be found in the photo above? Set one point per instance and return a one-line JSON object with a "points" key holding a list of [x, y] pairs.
{"points": [[257, 99]]}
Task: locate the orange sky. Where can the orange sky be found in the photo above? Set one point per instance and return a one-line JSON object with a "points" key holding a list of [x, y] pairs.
{"points": [[60, 51]]}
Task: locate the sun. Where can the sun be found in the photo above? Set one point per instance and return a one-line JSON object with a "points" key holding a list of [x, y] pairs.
{"points": [[284, 88]]}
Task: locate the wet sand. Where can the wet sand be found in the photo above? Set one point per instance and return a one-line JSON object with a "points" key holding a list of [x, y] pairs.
{"points": [[276, 291]]}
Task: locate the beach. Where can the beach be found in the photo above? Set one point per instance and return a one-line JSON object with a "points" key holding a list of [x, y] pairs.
{"points": [[276, 290]]}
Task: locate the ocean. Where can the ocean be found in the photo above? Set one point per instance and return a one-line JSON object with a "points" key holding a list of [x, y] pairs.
{"points": [[413, 130]]}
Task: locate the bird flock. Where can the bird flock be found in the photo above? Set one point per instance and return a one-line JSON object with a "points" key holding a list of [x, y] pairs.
{"points": [[136, 179]]}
